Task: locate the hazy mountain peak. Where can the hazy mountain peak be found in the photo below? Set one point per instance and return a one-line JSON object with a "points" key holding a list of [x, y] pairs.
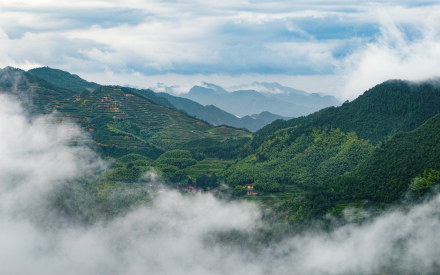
{"points": [[218, 89], [162, 88], [316, 95], [252, 93], [199, 90], [269, 88]]}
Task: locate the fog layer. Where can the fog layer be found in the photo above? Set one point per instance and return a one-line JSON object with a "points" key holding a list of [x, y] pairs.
{"points": [[175, 234]]}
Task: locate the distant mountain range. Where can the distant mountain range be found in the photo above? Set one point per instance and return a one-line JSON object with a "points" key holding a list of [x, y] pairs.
{"points": [[217, 116], [265, 87], [273, 98]]}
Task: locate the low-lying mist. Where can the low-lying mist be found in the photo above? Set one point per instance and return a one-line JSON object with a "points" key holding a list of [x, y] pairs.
{"points": [[174, 234]]}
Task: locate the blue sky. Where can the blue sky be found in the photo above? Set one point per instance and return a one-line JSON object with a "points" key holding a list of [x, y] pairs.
{"points": [[334, 47]]}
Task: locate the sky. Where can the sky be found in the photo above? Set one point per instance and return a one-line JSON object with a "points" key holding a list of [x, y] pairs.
{"points": [[333, 47]]}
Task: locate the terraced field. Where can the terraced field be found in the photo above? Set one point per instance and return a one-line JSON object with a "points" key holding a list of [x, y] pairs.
{"points": [[207, 166], [122, 122]]}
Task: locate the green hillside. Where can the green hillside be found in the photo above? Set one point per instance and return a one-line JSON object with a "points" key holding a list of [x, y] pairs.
{"points": [[121, 122], [152, 96], [211, 114], [63, 79], [300, 158]]}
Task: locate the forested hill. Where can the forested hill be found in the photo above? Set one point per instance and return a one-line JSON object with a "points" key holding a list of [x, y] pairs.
{"points": [[408, 162], [369, 149], [387, 173], [380, 112], [63, 79]]}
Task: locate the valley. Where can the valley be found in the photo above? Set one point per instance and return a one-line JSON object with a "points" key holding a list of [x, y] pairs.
{"points": [[341, 166]]}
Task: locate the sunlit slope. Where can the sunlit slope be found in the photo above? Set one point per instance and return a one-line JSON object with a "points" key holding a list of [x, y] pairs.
{"points": [[380, 112], [406, 164], [302, 158], [122, 121]]}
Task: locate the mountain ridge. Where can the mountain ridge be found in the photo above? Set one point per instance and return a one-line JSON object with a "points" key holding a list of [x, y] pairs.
{"points": [[243, 101], [63, 79]]}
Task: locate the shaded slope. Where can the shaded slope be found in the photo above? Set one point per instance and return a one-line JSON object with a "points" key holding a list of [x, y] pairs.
{"points": [[298, 97], [63, 79], [313, 101], [273, 97], [274, 86], [387, 173]]}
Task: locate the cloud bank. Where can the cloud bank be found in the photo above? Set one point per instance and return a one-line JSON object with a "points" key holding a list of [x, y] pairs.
{"points": [[355, 44], [176, 234], [394, 54]]}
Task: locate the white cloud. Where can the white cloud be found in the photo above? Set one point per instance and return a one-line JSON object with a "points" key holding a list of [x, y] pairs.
{"points": [[393, 56], [36, 156]]}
